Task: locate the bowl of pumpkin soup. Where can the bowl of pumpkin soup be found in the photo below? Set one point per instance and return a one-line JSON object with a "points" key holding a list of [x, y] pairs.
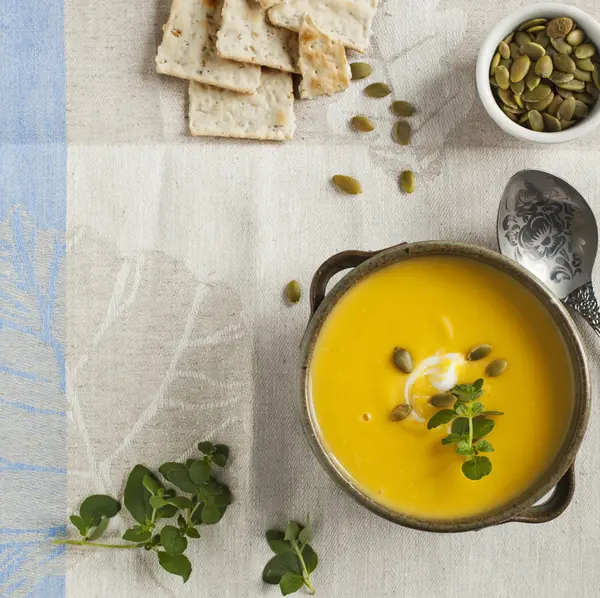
{"points": [[443, 386]]}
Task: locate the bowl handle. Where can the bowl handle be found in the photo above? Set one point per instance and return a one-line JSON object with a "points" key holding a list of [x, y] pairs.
{"points": [[328, 269], [555, 505]]}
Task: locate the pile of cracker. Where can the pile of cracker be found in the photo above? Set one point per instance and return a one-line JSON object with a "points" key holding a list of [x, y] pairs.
{"points": [[239, 56]]}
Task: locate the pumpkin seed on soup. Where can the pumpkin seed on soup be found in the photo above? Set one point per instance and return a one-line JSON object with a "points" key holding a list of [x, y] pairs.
{"points": [[479, 352], [497, 367], [442, 400], [400, 108], [347, 184], [403, 360], [407, 179], [362, 123], [360, 70], [378, 90], [401, 412]]}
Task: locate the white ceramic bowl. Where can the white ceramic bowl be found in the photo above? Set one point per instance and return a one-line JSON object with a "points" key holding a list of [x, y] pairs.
{"points": [[489, 48]]}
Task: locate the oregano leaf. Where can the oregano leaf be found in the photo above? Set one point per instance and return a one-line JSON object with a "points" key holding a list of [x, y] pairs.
{"points": [[181, 502], [442, 417], [137, 534], [477, 467], [178, 474], [279, 565], [292, 531], [277, 542], [156, 502], [192, 532], [290, 583], [460, 426], [482, 427], [176, 564], [98, 506], [99, 529], [211, 514], [305, 536], [452, 438], [465, 449], [136, 496], [152, 484], [310, 558], [206, 447], [484, 446], [79, 523], [200, 472], [172, 540]]}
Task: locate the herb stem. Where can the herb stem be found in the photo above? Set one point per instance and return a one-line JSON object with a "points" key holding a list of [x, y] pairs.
{"points": [[470, 429], [305, 573], [191, 513], [96, 544]]}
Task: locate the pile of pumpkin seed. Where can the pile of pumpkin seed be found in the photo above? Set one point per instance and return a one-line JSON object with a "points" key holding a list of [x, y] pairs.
{"points": [[546, 75]]}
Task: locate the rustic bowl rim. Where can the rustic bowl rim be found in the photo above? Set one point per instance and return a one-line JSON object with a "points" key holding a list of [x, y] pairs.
{"points": [[577, 428], [486, 53]]}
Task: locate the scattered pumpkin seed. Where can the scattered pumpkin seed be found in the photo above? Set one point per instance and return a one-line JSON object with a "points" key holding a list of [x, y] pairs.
{"points": [[551, 123], [362, 123], [520, 68], [402, 132], [564, 63], [442, 400], [407, 179], [498, 366], [536, 121], [532, 23], [400, 108], [378, 90], [479, 352], [347, 184], [504, 50], [360, 70], [518, 88], [585, 51], [533, 50], [403, 360], [560, 45], [576, 37], [293, 291], [554, 104], [544, 67], [566, 109], [581, 110], [502, 77], [532, 80], [401, 412], [585, 64], [558, 77], [559, 27]]}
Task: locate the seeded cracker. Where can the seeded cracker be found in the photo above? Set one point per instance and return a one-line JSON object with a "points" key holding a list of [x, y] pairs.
{"points": [[348, 22], [267, 114], [322, 62], [188, 48], [246, 35]]}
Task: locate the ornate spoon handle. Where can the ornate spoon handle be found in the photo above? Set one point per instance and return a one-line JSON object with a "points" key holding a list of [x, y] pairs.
{"points": [[584, 301]]}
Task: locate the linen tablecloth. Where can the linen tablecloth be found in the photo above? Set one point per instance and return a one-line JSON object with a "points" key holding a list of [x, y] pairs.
{"points": [[141, 310]]}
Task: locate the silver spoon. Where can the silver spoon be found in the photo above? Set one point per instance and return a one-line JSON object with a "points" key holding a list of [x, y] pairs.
{"points": [[547, 226]]}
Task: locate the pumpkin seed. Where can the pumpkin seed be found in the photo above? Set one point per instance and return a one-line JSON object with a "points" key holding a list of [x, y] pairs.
{"points": [[585, 51], [536, 29], [560, 45], [293, 291], [479, 352], [510, 114], [403, 360], [402, 132], [596, 77], [524, 119], [508, 97], [564, 63], [498, 366], [542, 104], [574, 85], [520, 68], [537, 124], [553, 106], [532, 80], [532, 23], [522, 38], [582, 75], [401, 412], [347, 184], [533, 50], [360, 70], [506, 64], [565, 93], [542, 39], [514, 50], [544, 67], [508, 38], [519, 102], [493, 82], [551, 124], [560, 27], [495, 62], [576, 37], [511, 110], [566, 124], [518, 88], [592, 90], [400, 108], [362, 123], [378, 90], [504, 50], [442, 400], [407, 178], [585, 65], [566, 109], [559, 77], [586, 98], [581, 110], [539, 93], [502, 77]]}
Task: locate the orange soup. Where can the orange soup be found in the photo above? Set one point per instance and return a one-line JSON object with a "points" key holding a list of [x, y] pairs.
{"points": [[439, 308]]}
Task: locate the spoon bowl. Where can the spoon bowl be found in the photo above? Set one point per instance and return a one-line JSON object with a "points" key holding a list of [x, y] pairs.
{"points": [[545, 225]]}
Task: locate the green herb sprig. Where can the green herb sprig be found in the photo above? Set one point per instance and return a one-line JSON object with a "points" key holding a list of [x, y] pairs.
{"points": [[294, 558], [149, 501], [470, 423]]}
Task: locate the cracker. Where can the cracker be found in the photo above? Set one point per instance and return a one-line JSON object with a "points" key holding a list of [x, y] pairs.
{"points": [[346, 21], [188, 48], [323, 63], [247, 35], [267, 114]]}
